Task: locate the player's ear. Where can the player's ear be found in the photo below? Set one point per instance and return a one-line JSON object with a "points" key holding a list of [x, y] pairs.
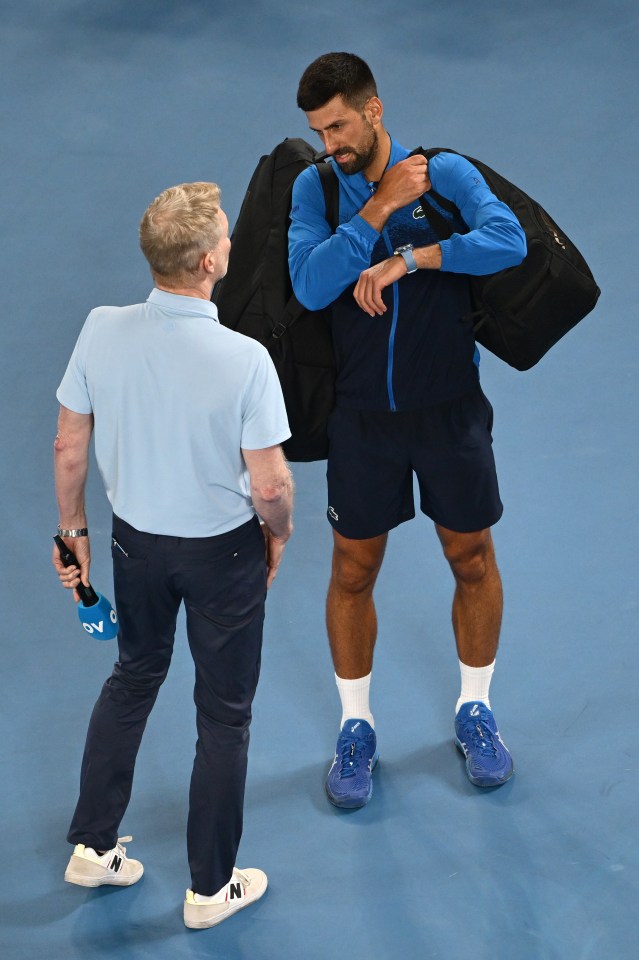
{"points": [[373, 110]]}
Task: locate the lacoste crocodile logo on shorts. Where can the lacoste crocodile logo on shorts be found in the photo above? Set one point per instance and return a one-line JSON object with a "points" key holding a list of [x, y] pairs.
{"points": [[333, 513], [418, 213]]}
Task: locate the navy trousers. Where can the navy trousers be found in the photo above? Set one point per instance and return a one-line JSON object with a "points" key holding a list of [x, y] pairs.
{"points": [[222, 583]]}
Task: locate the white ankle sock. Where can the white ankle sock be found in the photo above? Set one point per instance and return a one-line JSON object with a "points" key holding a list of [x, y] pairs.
{"points": [[354, 697], [475, 684]]}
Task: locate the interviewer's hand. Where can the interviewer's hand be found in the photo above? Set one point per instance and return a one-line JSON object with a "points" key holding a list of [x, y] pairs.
{"points": [[274, 552], [70, 576]]}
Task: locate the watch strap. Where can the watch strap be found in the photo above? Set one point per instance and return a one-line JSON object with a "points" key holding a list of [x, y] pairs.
{"points": [[407, 255]]}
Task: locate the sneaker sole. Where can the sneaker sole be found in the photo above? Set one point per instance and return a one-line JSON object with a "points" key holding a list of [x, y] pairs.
{"points": [[354, 804], [204, 924], [81, 881], [84, 877], [480, 781]]}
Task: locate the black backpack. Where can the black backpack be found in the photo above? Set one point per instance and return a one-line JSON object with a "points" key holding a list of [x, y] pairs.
{"points": [[521, 312], [256, 297]]}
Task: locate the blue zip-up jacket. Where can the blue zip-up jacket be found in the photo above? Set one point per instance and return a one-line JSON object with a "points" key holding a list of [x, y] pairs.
{"points": [[419, 352]]}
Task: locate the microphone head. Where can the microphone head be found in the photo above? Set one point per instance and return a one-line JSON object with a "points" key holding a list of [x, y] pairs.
{"points": [[100, 619]]}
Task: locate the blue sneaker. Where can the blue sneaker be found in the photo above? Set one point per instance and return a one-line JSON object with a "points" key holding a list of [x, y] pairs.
{"points": [[350, 780], [488, 762]]}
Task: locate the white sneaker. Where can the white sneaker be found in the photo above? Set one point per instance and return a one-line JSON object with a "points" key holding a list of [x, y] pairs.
{"points": [[88, 869], [244, 887]]}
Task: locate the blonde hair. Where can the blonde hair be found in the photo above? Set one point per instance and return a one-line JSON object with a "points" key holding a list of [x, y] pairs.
{"points": [[179, 227]]}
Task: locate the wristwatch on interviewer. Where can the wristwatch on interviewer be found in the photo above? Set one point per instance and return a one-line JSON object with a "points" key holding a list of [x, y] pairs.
{"points": [[406, 252]]}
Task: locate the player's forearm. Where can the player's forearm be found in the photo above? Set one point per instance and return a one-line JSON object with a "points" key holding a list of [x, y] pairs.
{"points": [[376, 211], [428, 258], [321, 271]]}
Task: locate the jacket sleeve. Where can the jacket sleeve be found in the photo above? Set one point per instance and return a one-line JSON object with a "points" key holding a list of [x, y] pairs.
{"points": [[495, 240], [323, 264]]}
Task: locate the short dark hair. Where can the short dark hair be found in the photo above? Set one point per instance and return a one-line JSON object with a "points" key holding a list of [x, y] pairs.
{"points": [[336, 74]]}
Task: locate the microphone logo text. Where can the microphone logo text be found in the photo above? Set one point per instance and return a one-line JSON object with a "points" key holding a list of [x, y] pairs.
{"points": [[99, 627]]}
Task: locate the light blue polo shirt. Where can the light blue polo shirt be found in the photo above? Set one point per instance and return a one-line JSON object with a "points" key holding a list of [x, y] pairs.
{"points": [[175, 397]]}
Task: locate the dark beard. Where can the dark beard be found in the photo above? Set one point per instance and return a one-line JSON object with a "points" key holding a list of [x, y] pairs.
{"points": [[360, 161]]}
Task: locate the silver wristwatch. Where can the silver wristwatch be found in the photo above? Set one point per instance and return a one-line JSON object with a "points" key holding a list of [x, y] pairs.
{"points": [[406, 252], [79, 532]]}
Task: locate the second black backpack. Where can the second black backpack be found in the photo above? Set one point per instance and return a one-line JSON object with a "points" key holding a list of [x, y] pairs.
{"points": [[256, 297], [521, 312]]}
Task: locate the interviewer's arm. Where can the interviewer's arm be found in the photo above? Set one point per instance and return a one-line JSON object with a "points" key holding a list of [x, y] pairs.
{"points": [[70, 465], [272, 494]]}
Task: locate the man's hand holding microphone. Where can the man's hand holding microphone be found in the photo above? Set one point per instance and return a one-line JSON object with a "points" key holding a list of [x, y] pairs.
{"points": [[95, 612]]}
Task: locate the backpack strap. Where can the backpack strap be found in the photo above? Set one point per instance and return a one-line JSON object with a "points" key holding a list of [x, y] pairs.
{"points": [[294, 310], [442, 227], [330, 188]]}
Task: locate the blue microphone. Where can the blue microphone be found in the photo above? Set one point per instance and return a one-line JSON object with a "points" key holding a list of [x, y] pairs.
{"points": [[96, 614]]}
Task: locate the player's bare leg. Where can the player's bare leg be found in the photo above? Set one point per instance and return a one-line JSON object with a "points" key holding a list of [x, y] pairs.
{"points": [[478, 599], [352, 630], [350, 611], [477, 614]]}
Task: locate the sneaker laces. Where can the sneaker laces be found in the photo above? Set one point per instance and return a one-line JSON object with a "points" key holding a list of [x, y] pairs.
{"points": [[350, 756], [118, 849], [483, 739], [121, 849]]}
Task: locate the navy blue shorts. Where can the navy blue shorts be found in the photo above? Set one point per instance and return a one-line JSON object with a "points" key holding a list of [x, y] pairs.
{"points": [[373, 455]]}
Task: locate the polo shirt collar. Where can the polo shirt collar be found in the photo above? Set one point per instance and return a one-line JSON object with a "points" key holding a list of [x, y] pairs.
{"points": [[191, 306]]}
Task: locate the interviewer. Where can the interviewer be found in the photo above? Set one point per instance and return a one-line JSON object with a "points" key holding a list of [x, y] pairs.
{"points": [[187, 417]]}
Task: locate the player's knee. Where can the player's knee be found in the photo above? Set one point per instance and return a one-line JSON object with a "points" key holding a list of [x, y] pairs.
{"points": [[471, 559], [470, 568], [354, 581], [356, 563], [353, 576]]}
